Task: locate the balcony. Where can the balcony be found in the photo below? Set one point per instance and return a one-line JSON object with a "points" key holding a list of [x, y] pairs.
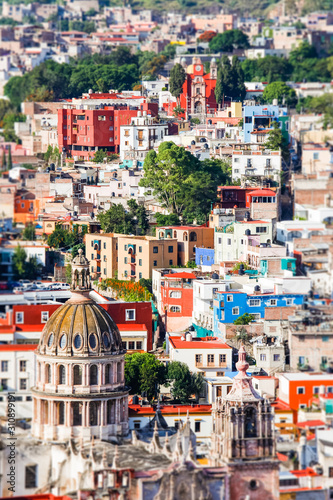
{"points": [[303, 367]]}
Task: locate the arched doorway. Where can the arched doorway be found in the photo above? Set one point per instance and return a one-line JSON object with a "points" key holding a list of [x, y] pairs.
{"points": [[198, 107]]}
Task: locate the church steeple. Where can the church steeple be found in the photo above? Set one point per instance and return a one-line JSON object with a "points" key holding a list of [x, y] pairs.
{"points": [[243, 421]]}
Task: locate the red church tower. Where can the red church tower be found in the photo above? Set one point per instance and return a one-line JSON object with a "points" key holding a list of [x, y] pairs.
{"points": [[198, 97]]}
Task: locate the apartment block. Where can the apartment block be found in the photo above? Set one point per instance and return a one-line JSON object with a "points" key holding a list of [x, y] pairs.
{"points": [[102, 251]]}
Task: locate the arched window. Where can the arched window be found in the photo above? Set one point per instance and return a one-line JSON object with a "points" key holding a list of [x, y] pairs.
{"points": [[119, 373], [175, 234], [185, 237], [193, 236], [77, 413], [111, 412], [62, 375], [108, 372], [175, 309], [61, 413], [250, 422], [77, 375], [294, 234], [47, 374], [93, 375], [93, 413]]}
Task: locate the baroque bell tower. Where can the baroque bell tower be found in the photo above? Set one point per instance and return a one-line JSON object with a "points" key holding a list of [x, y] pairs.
{"points": [[243, 439]]}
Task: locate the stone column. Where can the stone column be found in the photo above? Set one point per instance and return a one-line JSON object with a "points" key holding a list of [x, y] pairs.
{"points": [[68, 413], [84, 414]]}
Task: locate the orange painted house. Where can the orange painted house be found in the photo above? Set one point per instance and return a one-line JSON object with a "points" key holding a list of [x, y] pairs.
{"points": [[298, 389], [26, 207], [177, 300]]}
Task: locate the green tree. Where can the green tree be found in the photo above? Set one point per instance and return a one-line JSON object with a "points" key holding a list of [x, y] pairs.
{"points": [[183, 184], [324, 105], [239, 90], [29, 232], [144, 373], [139, 216], [225, 80], [19, 262], [181, 378], [177, 80], [116, 220], [75, 249], [167, 220], [276, 141], [228, 41], [198, 384], [281, 92], [61, 238], [244, 319]]}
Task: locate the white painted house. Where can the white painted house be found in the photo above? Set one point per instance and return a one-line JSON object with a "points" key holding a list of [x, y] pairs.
{"points": [[138, 138], [255, 162], [204, 292], [17, 374]]}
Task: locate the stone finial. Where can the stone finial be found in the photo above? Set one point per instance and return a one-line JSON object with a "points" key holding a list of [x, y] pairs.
{"points": [[104, 458], [242, 365], [155, 445], [178, 451], [134, 438], [190, 452], [115, 464], [166, 448]]}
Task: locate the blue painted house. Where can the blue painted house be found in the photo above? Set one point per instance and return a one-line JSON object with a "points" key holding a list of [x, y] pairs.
{"points": [[261, 117], [204, 257], [228, 306]]}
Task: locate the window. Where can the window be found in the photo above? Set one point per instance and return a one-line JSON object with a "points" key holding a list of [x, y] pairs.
{"points": [[289, 302], [170, 262], [104, 245], [210, 358], [4, 384], [235, 311], [175, 309], [198, 359], [273, 302], [19, 318], [77, 375], [93, 375], [229, 241], [62, 375], [23, 366], [248, 119], [220, 374], [155, 249], [262, 357], [325, 338], [4, 366], [316, 156], [276, 357], [316, 390], [139, 345], [254, 302], [125, 248], [170, 249], [300, 390], [124, 345], [175, 294], [131, 345], [92, 256], [140, 276], [302, 406], [155, 263], [197, 426], [45, 316], [223, 358], [140, 262], [125, 274], [125, 260], [236, 171], [261, 229], [230, 298], [31, 476], [140, 249], [23, 384], [330, 389], [130, 314]]}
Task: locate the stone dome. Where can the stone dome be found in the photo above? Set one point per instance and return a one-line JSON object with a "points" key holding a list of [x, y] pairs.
{"points": [[79, 328]]}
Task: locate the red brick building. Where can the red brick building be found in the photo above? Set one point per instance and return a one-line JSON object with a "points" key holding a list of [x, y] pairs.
{"points": [[86, 128]]}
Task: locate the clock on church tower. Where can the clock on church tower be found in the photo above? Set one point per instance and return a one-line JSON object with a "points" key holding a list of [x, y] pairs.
{"points": [[243, 439]]}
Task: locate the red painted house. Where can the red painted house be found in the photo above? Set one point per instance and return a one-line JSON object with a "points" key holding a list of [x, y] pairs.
{"points": [[81, 132], [177, 300], [24, 323]]}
